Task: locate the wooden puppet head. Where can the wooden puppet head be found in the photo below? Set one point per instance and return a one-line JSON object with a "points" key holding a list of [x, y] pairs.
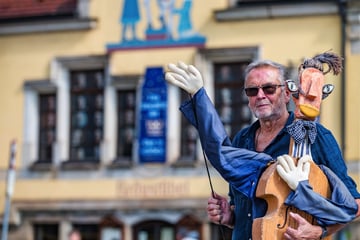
{"points": [[310, 89]]}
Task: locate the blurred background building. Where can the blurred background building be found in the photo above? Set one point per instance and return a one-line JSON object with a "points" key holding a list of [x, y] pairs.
{"points": [[102, 146]]}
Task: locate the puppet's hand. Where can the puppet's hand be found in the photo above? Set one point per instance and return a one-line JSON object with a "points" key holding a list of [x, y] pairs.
{"points": [[185, 76], [292, 174]]}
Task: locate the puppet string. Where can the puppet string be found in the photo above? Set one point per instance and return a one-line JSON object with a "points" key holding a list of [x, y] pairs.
{"points": [[206, 165]]}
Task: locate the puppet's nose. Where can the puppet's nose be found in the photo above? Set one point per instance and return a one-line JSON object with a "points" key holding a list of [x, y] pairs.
{"points": [[313, 92]]}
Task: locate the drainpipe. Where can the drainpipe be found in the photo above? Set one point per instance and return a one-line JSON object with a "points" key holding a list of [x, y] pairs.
{"points": [[342, 13]]}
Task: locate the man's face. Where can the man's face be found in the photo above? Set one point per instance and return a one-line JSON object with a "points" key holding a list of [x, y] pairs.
{"points": [[264, 105], [310, 94]]}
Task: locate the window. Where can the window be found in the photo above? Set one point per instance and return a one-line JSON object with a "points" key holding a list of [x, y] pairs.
{"points": [[126, 124], [46, 231], [47, 133], [125, 117], [188, 227], [111, 229], [230, 99], [88, 231], [154, 230], [40, 132], [87, 114], [65, 117]]}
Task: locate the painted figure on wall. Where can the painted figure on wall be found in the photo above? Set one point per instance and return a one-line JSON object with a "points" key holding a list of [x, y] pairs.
{"points": [[130, 17], [185, 28]]}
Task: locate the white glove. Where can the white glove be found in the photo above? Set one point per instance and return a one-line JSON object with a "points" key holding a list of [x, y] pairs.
{"points": [[185, 76], [292, 174]]}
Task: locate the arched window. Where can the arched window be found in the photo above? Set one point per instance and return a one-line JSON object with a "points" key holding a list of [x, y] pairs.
{"points": [[111, 228], [188, 227]]}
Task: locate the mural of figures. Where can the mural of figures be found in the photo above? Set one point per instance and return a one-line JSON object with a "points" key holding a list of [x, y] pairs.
{"points": [[130, 17], [163, 36]]}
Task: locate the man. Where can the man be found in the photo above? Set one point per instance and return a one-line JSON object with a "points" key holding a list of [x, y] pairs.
{"points": [[267, 99]]}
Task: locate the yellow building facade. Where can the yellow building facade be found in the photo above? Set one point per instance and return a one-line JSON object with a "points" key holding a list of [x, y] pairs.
{"points": [[88, 178]]}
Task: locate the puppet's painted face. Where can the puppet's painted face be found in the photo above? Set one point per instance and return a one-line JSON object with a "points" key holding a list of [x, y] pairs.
{"points": [[309, 94]]}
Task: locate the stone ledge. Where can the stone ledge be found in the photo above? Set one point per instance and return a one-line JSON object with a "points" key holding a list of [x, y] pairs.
{"points": [[47, 26], [268, 11]]}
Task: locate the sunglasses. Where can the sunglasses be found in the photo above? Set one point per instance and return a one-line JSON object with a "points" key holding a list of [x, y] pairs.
{"points": [[267, 89]]}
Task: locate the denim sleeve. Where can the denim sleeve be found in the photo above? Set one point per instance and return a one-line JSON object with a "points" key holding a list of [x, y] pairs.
{"points": [[341, 208]]}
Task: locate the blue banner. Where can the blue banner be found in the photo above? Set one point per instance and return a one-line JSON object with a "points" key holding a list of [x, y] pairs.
{"points": [[153, 117]]}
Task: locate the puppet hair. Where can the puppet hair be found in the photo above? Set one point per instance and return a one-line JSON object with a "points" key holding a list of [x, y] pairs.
{"points": [[333, 61]]}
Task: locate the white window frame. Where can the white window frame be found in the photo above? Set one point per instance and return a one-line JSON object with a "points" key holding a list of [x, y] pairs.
{"points": [[128, 82], [32, 90]]}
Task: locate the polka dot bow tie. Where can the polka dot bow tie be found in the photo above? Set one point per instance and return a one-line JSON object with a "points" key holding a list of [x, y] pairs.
{"points": [[299, 129]]}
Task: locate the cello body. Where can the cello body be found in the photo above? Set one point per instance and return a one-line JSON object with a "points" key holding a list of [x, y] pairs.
{"points": [[275, 191]]}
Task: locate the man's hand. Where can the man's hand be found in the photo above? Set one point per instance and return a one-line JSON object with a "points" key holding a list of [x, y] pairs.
{"points": [[292, 174], [304, 230], [219, 210], [185, 76]]}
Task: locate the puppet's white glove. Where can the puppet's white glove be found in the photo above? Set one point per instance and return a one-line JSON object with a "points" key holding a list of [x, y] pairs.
{"points": [[185, 76], [292, 174]]}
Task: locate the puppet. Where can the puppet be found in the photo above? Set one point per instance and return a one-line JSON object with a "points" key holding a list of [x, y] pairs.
{"points": [[308, 92], [243, 168]]}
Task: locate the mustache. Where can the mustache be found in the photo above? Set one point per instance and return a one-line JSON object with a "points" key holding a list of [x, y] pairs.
{"points": [[262, 102]]}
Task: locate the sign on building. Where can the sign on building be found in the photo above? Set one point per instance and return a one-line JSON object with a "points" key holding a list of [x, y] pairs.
{"points": [[153, 115]]}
